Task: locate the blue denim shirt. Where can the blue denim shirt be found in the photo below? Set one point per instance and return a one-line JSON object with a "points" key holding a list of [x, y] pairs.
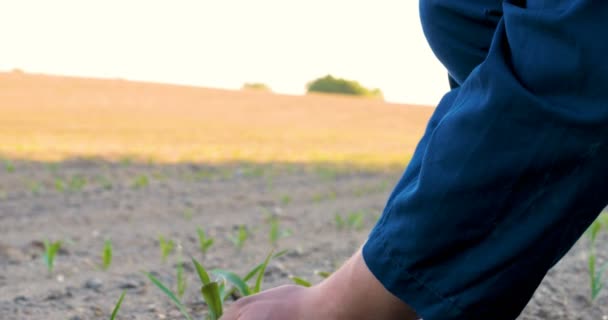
{"points": [[513, 165]]}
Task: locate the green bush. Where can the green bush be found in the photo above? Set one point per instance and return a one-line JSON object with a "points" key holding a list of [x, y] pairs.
{"points": [[330, 84]]}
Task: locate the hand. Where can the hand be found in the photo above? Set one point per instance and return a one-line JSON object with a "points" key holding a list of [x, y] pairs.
{"points": [[351, 293], [285, 302]]}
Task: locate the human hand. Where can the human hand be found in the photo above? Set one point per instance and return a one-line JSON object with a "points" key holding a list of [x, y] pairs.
{"points": [[285, 302], [351, 293]]}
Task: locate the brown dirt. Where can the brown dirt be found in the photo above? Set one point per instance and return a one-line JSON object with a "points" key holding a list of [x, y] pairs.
{"points": [[219, 199]]}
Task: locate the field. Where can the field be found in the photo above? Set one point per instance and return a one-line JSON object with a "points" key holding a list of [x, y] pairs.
{"points": [[84, 161]]}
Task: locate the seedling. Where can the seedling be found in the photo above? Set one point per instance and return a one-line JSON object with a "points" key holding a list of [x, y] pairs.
{"points": [[275, 232], [214, 292], [50, 251], [166, 247], [305, 283], [9, 167], [106, 255], [204, 242], [181, 282], [59, 185], [596, 273], [285, 200], [141, 181], [301, 282], [77, 183], [117, 307], [171, 295], [240, 237], [353, 221]]}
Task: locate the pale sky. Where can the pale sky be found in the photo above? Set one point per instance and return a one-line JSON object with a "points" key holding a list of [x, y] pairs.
{"points": [[224, 43]]}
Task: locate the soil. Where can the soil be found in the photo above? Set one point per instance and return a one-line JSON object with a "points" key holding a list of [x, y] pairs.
{"points": [[84, 202]]}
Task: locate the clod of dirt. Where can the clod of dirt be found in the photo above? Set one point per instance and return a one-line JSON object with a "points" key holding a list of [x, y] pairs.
{"points": [[93, 284]]}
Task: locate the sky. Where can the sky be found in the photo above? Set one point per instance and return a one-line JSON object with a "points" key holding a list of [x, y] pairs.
{"points": [[225, 43]]}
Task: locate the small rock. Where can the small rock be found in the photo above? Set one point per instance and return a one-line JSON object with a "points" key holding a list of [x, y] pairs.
{"points": [[75, 318], [55, 295], [129, 284], [20, 299], [93, 284]]}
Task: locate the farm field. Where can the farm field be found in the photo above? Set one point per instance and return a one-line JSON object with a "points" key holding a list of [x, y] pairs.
{"points": [[83, 161]]}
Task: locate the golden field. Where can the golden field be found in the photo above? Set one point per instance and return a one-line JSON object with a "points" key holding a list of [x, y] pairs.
{"points": [[53, 118]]}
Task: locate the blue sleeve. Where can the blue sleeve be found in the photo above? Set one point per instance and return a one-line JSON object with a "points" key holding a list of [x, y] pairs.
{"points": [[511, 170]]}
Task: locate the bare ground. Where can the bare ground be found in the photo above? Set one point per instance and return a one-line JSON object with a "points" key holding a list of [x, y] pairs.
{"points": [[41, 201]]}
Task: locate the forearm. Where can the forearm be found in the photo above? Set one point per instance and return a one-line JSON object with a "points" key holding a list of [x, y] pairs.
{"points": [[353, 292]]}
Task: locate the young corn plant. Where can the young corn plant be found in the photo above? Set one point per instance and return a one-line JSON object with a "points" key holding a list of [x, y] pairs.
{"points": [[181, 281], [50, 251], [188, 213], [214, 293], [305, 283], [141, 181], [9, 167], [240, 237], [117, 307], [204, 242], [166, 247], [77, 183], [354, 220], [596, 273], [106, 255], [275, 233], [59, 185]]}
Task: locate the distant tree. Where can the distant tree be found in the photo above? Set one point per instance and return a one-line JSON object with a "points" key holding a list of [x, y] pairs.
{"points": [[331, 84], [256, 86]]}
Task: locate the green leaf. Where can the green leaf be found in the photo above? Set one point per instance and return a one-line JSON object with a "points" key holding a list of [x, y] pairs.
{"points": [[597, 284], [594, 229], [202, 273], [117, 307], [255, 270], [233, 279], [323, 274], [211, 294], [258, 281], [299, 281], [107, 254], [169, 294]]}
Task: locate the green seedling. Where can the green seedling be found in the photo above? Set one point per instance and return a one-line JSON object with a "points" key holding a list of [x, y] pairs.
{"points": [[204, 242], [59, 185], [106, 255], [77, 183], [301, 282], [181, 281], [166, 247], [275, 232], [117, 307], [170, 294], [596, 273], [240, 237], [141, 181], [50, 251], [285, 200], [212, 292], [323, 274], [9, 167], [353, 221], [305, 283]]}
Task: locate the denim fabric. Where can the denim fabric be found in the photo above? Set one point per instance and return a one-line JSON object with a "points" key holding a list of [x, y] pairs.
{"points": [[513, 165]]}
